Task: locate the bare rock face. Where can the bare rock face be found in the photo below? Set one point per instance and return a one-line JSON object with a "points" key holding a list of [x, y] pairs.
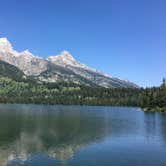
{"points": [[66, 60], [63, 67], [25, 60], [32, 65]]}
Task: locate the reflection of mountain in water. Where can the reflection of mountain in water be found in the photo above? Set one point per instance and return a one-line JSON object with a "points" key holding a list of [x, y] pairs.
{"points": [[59, 131], [58, 134]]}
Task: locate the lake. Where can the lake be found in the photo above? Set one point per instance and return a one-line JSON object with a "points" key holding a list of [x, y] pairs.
{"points": [[38, 135]]}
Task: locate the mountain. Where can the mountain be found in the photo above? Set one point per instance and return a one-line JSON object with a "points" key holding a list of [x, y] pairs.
{"points": [[25, 60], [63, 67]]}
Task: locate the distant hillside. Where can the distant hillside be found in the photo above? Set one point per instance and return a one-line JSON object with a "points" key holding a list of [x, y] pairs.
{"points": [[10, 71]]}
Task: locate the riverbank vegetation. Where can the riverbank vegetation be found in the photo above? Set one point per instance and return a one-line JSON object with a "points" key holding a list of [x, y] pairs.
{"points": [[19, 91]]}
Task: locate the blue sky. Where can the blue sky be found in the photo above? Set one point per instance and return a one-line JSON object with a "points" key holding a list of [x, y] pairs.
{"points": [[124, 38]]}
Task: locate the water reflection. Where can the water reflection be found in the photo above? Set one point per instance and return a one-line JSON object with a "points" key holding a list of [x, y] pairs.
{"points": [[154, 126], [150, 124], [162, 127], [60, 132]]}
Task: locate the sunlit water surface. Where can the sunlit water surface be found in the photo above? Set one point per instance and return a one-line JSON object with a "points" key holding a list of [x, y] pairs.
{"points": [[37, 135]]}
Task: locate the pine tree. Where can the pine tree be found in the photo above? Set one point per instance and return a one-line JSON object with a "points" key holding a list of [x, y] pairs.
{"points": [[164, 82]]}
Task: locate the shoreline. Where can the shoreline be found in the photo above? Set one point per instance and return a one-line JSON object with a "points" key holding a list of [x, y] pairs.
{"points": [[155, 109], [144, 109]]}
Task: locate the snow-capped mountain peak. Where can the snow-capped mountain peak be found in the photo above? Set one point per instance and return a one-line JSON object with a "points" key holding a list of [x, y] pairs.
{"points": [[27, 54], [5, 44], [6, 47], [66, 55], [63, 67], [65, 59]]}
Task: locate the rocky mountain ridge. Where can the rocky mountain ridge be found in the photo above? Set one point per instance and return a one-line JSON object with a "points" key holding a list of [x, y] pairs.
{"points": [[63, 67]]}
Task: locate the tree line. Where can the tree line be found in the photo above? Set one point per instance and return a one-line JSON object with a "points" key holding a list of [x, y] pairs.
{"points": [[13, 91]]}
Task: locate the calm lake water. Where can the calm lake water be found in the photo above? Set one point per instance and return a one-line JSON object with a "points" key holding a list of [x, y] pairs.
{"points": [[37, 135]]}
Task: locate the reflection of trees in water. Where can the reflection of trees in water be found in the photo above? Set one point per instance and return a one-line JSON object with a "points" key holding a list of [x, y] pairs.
{"points": [[58, 134], [155, 125], [34, 129], [150, 125], [162, 128]]}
